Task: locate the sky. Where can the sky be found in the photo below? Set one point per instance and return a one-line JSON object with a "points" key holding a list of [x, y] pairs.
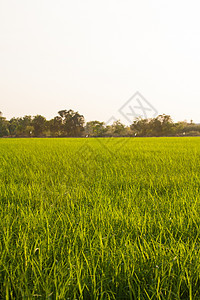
{"points": [[93, 56]]}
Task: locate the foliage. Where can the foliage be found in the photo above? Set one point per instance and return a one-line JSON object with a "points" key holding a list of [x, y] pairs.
{"points": [[3, 126], [118, 128], [39, 125], [95, 128], [69, 123], [162, 125], [72, 123]]}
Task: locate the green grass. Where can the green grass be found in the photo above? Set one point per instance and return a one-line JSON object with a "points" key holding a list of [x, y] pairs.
{"points": [[100, 218]]}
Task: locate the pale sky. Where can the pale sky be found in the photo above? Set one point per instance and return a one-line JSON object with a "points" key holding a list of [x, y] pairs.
{"points": [[92, 56]]}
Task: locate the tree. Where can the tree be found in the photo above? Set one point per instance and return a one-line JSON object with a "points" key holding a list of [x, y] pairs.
{"points": [[140, 127], [13, 124], [4, 131], [56, 126], [95, 128], [167, 124], [24, 126], [72, 123], [118, 128], [27, 128], [39, 125], [162, 125]]}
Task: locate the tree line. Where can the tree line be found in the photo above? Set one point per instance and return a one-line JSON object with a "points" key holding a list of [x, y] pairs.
{"points": [[69, 123]]}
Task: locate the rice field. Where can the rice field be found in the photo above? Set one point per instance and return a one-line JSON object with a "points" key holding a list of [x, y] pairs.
{"points": [[104, 218]]}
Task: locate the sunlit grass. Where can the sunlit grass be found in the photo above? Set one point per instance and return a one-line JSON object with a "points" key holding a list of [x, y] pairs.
{"points": [[100, 218]]}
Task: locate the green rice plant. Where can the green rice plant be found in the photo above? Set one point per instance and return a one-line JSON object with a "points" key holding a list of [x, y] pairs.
{"points": [[104, 218]]}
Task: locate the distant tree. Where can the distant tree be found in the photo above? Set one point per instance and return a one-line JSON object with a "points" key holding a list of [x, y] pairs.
{"points": [[187, 128], [4, 131], [39, 125], [140, 127], [24, 126], [26, 121], [27, 128], [13, 125], [56, 126], [95, 128], [72, 123], [108, 131], [118, 128], [162, 125], [29, 131], [167, 124]]}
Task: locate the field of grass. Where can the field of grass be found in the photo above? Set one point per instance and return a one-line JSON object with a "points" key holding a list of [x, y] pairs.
{"points": [[110, 218]]}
